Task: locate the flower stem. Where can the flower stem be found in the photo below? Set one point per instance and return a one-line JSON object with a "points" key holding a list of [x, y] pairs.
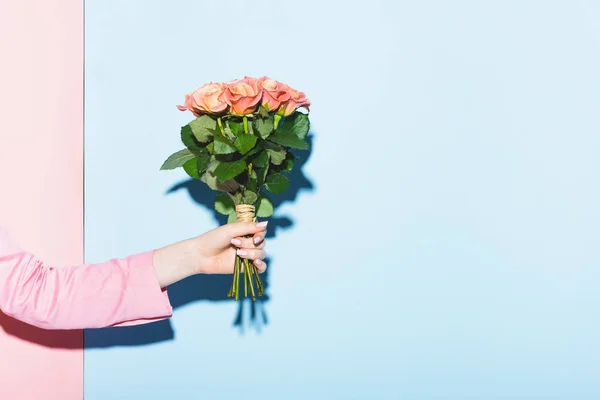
{"points": [[237, 277], [259, 284], [246, 276], [276, 120], [230, 294], [232, 290], [220, 122], [248, 270], [245, 124]]}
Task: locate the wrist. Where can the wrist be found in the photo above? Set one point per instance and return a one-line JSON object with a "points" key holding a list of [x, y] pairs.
{"points": [[190, 257], [175, 262], [198, 261]]}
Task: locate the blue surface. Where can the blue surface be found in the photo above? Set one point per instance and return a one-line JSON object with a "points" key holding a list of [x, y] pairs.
{"points": [[443, 243]]}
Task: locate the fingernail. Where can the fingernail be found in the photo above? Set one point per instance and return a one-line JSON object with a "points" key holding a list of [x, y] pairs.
{"points": [[236, 242], [258, 263], [262, 224], [242, 252], [257, 239]]}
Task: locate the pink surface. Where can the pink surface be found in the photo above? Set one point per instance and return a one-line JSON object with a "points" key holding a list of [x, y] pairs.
{"points": [[41, 161]]}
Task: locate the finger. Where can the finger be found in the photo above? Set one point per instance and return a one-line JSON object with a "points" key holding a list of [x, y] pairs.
{"points": [[238, 229], [252, 254], [259, 237], [248, 242], [260, 265]]}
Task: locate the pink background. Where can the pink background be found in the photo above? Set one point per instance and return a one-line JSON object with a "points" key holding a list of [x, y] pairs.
{"points": [[41, 176]]}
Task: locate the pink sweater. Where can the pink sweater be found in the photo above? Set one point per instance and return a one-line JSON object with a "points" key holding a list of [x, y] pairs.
{"points": [[117, 292]]}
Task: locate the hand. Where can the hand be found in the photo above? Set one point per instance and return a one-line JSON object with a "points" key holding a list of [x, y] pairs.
{"points": [[217, 248], [211, 253]]}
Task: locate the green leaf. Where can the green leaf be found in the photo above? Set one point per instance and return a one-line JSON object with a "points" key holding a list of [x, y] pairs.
{"points": [[237, 198], [263, 112], [252, 152], [261, 174], [288, 163], [223, 146], [210, 147], [277, 183], [202, 162], [229, 170], [261, 160], [289, 140], [188, 139], [264, 127], [211, 180], [276, 152], [177, 159], [229, 133], [252, 184], [197, 165], [203, 128], [265, 207], [191, 168], [249, 197], [236, 126], [224, 204], [225, 157], [245, 143], [296, 124], [213, 164], [232, 218]]}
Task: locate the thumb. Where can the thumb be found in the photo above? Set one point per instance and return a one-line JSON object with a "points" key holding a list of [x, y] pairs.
{"points": [[238, 229]]}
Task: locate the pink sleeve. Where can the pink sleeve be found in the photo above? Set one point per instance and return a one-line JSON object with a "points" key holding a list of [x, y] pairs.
{"points": [[117, 292]]}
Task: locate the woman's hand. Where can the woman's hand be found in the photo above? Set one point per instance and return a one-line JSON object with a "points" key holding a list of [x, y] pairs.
{"points": [[212, 252], [217, 248]]}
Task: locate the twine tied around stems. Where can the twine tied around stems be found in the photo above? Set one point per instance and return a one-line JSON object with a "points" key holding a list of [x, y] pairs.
{"points": [[245, 213]]}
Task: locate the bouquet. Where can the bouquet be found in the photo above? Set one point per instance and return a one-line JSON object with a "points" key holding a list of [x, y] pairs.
{"points": [[240, 144]]}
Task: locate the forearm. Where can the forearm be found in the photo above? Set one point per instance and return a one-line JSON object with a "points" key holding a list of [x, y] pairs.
{"points": [[175, 262]]}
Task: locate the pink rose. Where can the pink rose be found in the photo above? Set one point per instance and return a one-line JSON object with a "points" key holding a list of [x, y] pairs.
{"points": [[189, 105], [243, 95], [274, 93], [297, 99], [205, 99]]}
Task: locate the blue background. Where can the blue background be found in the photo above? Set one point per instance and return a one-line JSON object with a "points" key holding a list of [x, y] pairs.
{"points": [[442, 239]]}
